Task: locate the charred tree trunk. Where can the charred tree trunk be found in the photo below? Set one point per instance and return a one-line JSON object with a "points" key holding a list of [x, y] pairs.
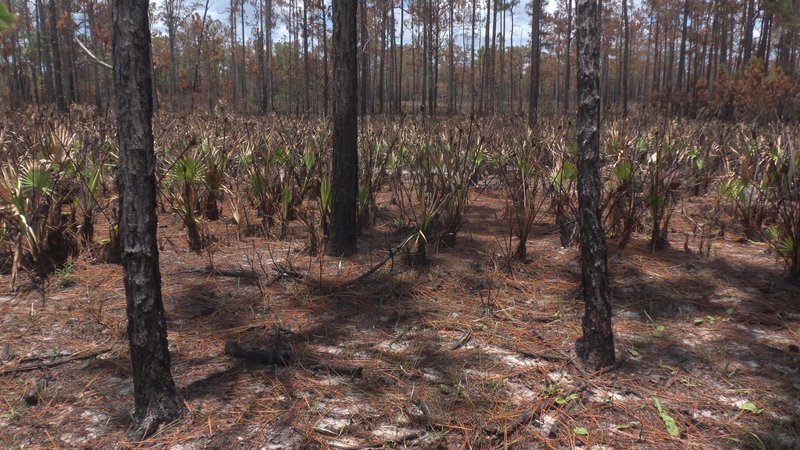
{"points": [[747, 44], [451, 76], [306, 79], [625, 57], [233, 70], [325, 95], [596, 347], [472, 60], [243, 65], [400, 60], [72, 86], [486, 66], [568, 69], [533, 105], [47, 72], [61, 102], [156, 399], [344, 175], [267, 101], [364, 98]]}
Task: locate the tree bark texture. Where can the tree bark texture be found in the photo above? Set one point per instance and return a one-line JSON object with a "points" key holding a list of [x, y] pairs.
{"points": [[533, 104], [156, 400], [596, 347], [344, 176]]}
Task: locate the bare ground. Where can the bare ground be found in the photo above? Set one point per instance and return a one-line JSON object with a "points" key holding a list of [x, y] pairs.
{"points": [[460, 354]]}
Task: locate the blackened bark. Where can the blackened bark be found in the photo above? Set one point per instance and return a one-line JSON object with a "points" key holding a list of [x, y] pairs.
{"points": [[596, 347], [451, 76], [98, 103], [625, 57], [682, 54], [472, 61], [262, 72], [243, 65], [533, 104], [306, 81], [74, 93], [268, 107], [56, 51], [233, 70], [364, 59], [344, 176], [400, 62], [325, 95], [747, 44], [568, 69], [486, 67], [45, 49], [156, 400]]}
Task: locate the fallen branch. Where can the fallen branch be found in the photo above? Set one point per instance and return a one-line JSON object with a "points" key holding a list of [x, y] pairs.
{"points": [[389, 443], [248, 275], [552, 357], [338, 369], [389, 257], [77, 356]]}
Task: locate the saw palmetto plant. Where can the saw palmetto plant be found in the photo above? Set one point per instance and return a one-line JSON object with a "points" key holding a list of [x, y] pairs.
{"points": [[667, 157], [522, 178], [748, 186], [215, 161], [57, 179], [626, 201], [457, 158], [783, 174], [420, 200], [186, 178], [563, 185]]}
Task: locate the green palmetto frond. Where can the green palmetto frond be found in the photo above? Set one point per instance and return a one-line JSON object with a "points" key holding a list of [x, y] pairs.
{"points": [[188, 170], [214, 160], [37, 179], [563, 175], [325, 195], [11, 192]]}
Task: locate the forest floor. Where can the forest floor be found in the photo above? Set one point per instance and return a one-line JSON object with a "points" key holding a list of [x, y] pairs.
{"points": [[458, 354]]}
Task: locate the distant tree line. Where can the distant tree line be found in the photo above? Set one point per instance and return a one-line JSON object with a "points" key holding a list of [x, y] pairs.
{"points": [[733, 58]]}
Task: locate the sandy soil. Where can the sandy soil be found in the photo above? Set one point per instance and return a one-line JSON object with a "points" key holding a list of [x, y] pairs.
{"points": [[459, 354]]}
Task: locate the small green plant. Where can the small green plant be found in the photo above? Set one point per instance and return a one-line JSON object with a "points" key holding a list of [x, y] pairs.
{"points": [[669, 422], [12, 414], [550, 390], [567, 399], [750, 407], [581, 431], [64, 274]]}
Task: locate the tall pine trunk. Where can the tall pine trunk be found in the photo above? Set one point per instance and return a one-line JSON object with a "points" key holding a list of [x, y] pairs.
{"points": [[596, 347], [568, 69], [344, 174], [625, 57], [156, 399], [364, 97], [533, 103], [61, 102]]}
